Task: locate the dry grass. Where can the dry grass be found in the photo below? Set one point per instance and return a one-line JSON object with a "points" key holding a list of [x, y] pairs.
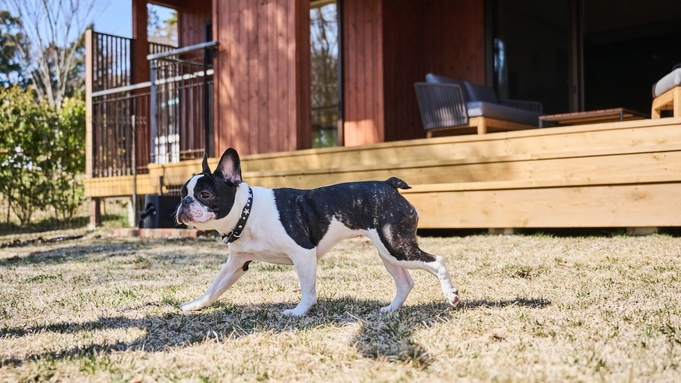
{"points": [[536, 309]]}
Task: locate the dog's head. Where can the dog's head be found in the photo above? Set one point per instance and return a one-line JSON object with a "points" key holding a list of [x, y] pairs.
{"points": [[210, 196]]}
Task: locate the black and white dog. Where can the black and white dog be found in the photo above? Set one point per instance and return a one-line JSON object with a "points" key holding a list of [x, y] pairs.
{"points": [[297, 227]]}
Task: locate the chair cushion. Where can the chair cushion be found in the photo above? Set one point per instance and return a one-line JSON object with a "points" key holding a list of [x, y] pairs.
{"points": [[501, 112], [435, 79], [671, 80], [481, 93]]}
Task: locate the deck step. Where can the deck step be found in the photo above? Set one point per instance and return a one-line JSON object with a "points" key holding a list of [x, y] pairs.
{"points": [[627, 202]]}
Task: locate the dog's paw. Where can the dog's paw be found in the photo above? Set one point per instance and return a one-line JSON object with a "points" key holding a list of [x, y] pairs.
{"points": [[192, 306], [389, 309], [453, 298], [295, 312]]}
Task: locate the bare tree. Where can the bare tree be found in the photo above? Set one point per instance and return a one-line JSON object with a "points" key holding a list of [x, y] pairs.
{"points": [[51, 31]]}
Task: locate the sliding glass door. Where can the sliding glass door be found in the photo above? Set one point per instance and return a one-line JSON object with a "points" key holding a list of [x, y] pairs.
{"points": [[531, 41]]}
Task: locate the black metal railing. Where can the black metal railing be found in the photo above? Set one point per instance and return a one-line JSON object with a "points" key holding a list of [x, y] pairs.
{"points": [[181, 100], [167, 119], [112, 60], [120, 123]]}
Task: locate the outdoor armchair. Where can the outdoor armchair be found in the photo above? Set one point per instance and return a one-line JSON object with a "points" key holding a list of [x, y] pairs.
{"points": [[462, 107]]}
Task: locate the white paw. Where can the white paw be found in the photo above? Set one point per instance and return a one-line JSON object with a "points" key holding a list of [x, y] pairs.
{"points": [[389, 309], [192, 306], [296, 312], [453, 298]]}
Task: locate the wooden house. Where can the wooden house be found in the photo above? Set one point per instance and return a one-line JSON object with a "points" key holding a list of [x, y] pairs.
{"points": [[322, 91]]}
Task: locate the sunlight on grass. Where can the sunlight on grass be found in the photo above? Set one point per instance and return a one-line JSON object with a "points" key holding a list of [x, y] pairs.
{"points": [[535, 309]]}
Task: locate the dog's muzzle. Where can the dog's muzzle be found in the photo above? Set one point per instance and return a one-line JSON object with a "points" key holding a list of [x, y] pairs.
{"points": [[182, 216]]}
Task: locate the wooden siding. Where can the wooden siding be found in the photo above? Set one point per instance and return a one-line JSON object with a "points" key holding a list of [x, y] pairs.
{"points": [[140, 47], [619, 174], [192, 21], [363, 72], [455, 39], [262, 76], [436, 36], [390, 45], [404, 64]]}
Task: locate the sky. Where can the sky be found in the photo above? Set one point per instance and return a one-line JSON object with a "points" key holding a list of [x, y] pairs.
{"points": [[113, 17]]}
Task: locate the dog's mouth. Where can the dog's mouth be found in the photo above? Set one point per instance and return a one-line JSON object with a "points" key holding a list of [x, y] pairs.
{"points": [[189, 216], [182, 217]]}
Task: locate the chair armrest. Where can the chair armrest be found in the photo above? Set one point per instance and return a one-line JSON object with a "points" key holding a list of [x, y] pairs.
{"points": [[532, 106], [441, 105]]}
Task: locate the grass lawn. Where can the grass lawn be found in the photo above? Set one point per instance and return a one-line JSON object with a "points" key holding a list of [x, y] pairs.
{"points": [[535, 309]]}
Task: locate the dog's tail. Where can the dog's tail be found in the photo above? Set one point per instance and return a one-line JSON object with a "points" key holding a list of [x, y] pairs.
{"points": [[397, 183]]}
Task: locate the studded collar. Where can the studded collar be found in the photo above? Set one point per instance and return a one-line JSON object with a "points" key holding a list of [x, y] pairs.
{"points": [[245, 213]]}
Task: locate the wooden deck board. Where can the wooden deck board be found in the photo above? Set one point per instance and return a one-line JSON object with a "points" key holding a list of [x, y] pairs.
{"points": [[623, 174], [628, 205]]}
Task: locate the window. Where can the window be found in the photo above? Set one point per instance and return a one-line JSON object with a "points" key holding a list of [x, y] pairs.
{"points": [[324, 44]]}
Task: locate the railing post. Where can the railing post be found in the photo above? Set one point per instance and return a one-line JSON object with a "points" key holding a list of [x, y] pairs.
{"points": [[152, 113], [133, 160], [95, 212], [207, 143], [88, 103]]}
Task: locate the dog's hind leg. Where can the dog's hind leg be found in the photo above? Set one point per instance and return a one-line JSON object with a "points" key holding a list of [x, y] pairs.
{"points": [[438, 269], [403, 283], [404, 252], [232, 270]]}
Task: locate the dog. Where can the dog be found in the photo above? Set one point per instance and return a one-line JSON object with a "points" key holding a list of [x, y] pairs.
{"points": [[297, 227]]}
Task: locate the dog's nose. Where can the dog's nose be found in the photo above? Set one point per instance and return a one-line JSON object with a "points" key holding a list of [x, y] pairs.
{"points": [[187, 200]]}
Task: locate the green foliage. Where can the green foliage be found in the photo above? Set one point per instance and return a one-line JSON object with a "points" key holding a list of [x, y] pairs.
{"points": [[41, 154], [27, 131], [10, 68], [69, 158]]}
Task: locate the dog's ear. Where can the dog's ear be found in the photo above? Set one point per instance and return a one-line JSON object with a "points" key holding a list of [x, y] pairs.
{"points": [[204, 165], [229, 168]]}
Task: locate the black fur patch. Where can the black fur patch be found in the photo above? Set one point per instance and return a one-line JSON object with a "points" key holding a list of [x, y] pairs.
{"points": [[245, 266], [307, 214], [214, 193]]}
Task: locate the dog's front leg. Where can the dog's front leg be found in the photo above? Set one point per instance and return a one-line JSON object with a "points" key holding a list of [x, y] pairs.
{"points": [[230, 273], [305, 263]]}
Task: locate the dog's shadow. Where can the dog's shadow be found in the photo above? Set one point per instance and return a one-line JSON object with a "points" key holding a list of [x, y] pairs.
{"points": [[380, 336]]}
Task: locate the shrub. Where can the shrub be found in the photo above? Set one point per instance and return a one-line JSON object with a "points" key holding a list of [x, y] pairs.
{"points": [[69, 158], [41, 154]]}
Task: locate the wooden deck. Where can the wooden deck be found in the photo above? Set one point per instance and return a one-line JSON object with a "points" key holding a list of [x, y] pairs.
{"points": [[619, 174]]}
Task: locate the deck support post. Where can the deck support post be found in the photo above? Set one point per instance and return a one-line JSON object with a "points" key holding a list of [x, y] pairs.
{"points": [[95, 213]]}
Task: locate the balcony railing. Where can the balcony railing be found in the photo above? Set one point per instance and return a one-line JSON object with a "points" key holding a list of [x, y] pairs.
{"points": [[167, 119]]}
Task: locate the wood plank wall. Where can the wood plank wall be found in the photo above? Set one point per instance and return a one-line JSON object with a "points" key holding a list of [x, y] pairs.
{"points": [[363, 72], [404, 59], [191, 28], [455, 39], [438, 36], [140, 47], [262, 75], [390, 45]]}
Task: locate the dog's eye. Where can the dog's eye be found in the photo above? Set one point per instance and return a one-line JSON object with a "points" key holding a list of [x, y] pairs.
{"points": [[204, 195]]}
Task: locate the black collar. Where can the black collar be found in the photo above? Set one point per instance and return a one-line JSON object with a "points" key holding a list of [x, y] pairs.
{"points": [[245, 213]]}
